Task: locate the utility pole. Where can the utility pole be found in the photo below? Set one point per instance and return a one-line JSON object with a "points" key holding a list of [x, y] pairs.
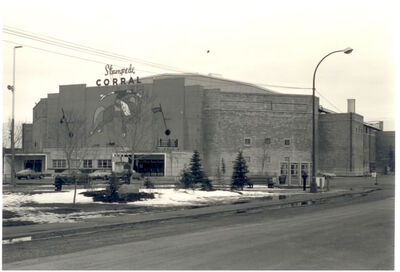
{"points": [[12, 88]]}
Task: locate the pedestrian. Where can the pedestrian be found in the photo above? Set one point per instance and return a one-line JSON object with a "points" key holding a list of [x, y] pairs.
{"points": [[304, 176]]}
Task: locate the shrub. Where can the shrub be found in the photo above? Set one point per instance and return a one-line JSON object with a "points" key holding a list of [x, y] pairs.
{"points": [[112, 189], [186, 180], [148, 184]]}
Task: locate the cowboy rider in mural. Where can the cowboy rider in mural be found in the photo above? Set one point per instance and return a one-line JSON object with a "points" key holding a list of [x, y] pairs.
{"points": [[123, 108]]}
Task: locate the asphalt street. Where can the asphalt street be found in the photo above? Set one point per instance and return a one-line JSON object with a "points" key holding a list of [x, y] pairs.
{"points": [[358, 235]]}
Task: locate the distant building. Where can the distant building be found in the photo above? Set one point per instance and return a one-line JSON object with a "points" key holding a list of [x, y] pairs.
{"points": [[215, 116]]}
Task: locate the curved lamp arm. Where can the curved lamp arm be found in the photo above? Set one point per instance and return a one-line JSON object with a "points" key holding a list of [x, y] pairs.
{"points": [[347, 50]]}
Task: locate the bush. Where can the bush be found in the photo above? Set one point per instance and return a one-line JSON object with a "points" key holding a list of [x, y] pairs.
{"points": [[186, 180], [148, 184], [101, 196], [112, 189]]}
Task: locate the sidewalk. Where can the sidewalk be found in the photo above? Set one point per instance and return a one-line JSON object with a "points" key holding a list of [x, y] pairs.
{"points": [[42, 231]]}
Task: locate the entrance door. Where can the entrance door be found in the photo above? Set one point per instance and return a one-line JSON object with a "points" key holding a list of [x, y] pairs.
{"points": [[294, 174], [35, 165], [283, 178], [149, 164]]}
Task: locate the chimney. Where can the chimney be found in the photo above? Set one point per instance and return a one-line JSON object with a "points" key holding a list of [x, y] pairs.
{"points": [[381, 125], [351, 105]]}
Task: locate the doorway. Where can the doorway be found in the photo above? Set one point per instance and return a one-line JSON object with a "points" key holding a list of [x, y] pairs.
{"points": [[149, 164]]}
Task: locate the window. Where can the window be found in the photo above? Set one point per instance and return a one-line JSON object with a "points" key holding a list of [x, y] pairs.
{"points": [[294, 169], [104, 164], [75, 163], [247, 141], [284, 168], [287, 141], [267, 159], [59, 163], [267, 141], [247, 159], [87, 163]]}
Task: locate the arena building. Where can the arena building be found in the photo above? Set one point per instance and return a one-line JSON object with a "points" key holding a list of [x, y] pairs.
{"points": [[157, 122]]}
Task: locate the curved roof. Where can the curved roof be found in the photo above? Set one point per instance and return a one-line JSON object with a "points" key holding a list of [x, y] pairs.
{"points": [[213, 82]]}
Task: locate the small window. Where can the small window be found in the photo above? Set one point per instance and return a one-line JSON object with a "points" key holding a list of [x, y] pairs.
{"points": [[287, 141], [59, 163], [247, 141], [268, 159], [267, 141], [104, 164], [87, 163]]}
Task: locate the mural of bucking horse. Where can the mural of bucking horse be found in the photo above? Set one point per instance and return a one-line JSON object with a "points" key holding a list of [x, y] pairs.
{"points": [[124, 108]]}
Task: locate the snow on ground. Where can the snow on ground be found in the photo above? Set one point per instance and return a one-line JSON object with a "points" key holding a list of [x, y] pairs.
{"points": [[164, 197], [187, 197]]}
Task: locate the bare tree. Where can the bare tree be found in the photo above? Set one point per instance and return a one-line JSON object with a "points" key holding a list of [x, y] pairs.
{"points": [[72, 136], [7, 134], [264, 156]]}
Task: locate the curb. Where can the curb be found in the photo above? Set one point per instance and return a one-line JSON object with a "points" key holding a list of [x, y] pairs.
{"points": [[229, 208]]}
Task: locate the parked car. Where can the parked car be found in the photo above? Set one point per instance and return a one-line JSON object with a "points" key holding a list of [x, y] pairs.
{"points": [[69, 177], [28, 174], [100, 174]]}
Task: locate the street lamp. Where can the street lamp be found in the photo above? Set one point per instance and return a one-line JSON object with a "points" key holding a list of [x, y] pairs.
{"points": [[313, 185], [12, 89]]}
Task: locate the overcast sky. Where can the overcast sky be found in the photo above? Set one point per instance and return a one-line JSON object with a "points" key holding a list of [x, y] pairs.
{"points": [[262, 42]]}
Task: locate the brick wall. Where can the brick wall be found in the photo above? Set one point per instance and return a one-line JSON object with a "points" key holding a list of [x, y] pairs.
{"points": [[229, 118]]}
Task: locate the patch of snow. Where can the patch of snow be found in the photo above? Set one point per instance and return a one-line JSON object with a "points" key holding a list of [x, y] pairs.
{"points": [[14, 202], [185, 197]]}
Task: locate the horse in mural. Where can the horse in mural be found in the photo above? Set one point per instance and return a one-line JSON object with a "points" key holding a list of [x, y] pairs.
{"points": [[123, 108]]}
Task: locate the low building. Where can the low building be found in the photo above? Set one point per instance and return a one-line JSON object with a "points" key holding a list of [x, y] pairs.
{"points": [[156, 124]]}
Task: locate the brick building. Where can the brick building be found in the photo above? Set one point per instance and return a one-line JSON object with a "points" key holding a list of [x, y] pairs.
{"points": [[215, 116]]}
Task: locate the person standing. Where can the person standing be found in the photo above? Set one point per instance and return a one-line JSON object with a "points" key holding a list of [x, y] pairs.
{"points": [[304, 176]]}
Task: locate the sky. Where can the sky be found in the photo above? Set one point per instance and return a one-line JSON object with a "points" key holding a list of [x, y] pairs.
{"points": [[262, 42]]}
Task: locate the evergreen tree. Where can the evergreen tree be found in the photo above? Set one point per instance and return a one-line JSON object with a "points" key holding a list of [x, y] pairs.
{"points": [[197, 173], [187, 179], [239, 178]]}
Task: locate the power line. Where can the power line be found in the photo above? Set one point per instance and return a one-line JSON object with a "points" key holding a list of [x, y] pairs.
{"points": [[89, 50], [67, 55], [151, 72], [81, 48], [93, 51], [329, 102]]}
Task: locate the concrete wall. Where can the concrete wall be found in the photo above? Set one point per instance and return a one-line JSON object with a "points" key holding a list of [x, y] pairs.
{"points": [[27, 145], [369, 142], [39, 125], [385, 148], [342, 141]]}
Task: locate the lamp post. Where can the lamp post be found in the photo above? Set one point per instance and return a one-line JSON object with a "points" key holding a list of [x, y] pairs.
{"points": [[313, 185], [12, 88]]}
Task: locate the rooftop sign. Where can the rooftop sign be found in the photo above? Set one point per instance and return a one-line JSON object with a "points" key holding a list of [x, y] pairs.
{"points": [[110, 71]]}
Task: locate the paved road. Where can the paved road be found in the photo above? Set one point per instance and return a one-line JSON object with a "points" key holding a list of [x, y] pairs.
{"points": [[356, 236]]}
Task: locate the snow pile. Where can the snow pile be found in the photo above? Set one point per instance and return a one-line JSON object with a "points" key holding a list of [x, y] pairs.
{"points": [[187, 197]]}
